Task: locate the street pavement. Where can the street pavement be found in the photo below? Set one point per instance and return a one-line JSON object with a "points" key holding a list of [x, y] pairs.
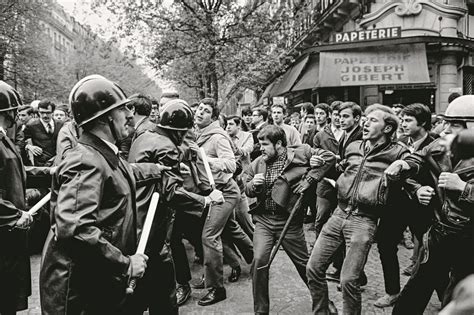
{"points": [[288, 294]]}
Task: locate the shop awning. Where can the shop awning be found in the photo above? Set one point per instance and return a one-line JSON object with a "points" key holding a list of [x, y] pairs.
{"points": [[402, 64], [310, 77], [290, 77]]}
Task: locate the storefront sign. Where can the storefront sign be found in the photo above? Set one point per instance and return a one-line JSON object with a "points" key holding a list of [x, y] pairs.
{"points": [[363, 35], [402, 64]]}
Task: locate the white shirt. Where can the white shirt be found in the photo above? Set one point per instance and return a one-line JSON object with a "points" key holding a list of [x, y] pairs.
{"points": [[112, 146], [337, 132], [45, 125]]}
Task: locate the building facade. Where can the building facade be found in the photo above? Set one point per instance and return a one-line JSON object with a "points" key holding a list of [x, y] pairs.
{"points": [[380, 51]]}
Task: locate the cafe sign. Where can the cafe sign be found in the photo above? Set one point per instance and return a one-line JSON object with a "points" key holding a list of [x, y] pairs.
{"points": [[365, 35], [401, 64]]}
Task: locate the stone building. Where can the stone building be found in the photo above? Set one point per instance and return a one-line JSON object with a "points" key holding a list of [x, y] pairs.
{"points": [[378, 51]]}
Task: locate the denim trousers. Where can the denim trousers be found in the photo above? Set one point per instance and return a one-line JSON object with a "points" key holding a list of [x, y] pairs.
{"points": [[358, 233], [268, 228], [214, 224]]}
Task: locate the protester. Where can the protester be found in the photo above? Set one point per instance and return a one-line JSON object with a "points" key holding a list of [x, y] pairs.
{"points": [[15, 276], [90, 259], [247, 120], [259, 120], [321, 112], [363, 196], [61, 113], [450, 235], [310, 126], [278, 115], [41, 134], [275, 197]]}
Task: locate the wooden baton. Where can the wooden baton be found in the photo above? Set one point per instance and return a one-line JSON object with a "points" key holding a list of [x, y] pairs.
{"points": [[205, 161], [39, 204], [145, 235]]}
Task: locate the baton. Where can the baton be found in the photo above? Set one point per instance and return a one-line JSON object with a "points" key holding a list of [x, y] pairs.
{"points": [[144, 237], [275, 249], [205, 161], [40, 203]]}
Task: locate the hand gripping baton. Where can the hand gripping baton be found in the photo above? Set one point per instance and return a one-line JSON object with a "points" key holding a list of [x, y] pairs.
{"points": [[145, 234], [40, 203], [205, 161]]}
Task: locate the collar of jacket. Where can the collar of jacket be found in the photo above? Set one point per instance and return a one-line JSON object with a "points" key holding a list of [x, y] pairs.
{"points": [[290, 155], [209, 131], [377, 148], [92, 140]]}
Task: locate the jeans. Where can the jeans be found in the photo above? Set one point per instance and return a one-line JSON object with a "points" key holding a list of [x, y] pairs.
{"points": [[215, 221], [450, 254], [268, 228], [324, 208], [358, 233]]}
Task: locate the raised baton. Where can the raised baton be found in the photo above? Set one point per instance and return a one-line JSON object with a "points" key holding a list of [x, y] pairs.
{"points": [[145, 234], [40, 203], [205, 161]]}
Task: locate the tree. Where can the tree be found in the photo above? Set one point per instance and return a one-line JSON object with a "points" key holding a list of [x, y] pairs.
{"points": [[202, 44]]}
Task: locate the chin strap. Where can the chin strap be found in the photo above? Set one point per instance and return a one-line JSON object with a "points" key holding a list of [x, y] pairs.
{"points": [[112, 130]]}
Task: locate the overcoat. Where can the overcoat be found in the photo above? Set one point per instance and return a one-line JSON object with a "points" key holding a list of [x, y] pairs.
{"points": [[15, 277], [94, 225]]}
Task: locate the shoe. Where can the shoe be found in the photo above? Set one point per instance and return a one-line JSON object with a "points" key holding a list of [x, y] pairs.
{"points": [[363, 279], [235, 274], [386, 300], [199, 284], [183, 292], [408, 270], [333, 276], [213, 296]]}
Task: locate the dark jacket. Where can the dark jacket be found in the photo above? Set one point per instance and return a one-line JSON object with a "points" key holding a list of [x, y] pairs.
{"points": [[362, 185], [14, 255], [142, 127], [296, 168], [95, 230], [343, 144], [157, 147], [67, 139], [35, 131], [453, 209], [325, 139]]}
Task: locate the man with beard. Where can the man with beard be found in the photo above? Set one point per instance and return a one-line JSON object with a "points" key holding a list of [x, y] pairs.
{"points": [[276, 179], [90, 257], [157, 288], [15, 277], [363, 196]]}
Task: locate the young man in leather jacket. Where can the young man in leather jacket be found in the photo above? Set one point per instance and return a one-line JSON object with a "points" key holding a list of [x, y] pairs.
{"points": [[362, 197]]}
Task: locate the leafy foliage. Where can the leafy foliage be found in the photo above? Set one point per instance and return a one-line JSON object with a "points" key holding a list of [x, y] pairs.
{"points": [[203, 44]]}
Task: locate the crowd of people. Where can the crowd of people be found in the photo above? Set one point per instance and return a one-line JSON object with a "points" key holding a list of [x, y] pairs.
{"points": [[235, 187]]}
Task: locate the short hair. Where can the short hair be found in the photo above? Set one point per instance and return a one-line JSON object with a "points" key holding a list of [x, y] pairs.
{"points": [[336, 105], [236, 119], [211, 102], [453, 96], [170, 95], [246, 112], [295, 114], [308, 107], [29, 109], [261, 112], [389, 116], [311, 116], [421, 113], [274, 134], [398, 106], [283, 107], [141, 103], [44, 104], [323, 106], [354, 107]]}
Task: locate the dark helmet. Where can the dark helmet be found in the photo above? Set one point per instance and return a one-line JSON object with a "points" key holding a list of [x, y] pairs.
{"points": [[94, 96], [176, 115], [9, 100]]}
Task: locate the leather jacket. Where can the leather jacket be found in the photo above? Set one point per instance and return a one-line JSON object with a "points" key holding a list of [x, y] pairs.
{"points": [[453, 209], [362, 186], [296, 168]]}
